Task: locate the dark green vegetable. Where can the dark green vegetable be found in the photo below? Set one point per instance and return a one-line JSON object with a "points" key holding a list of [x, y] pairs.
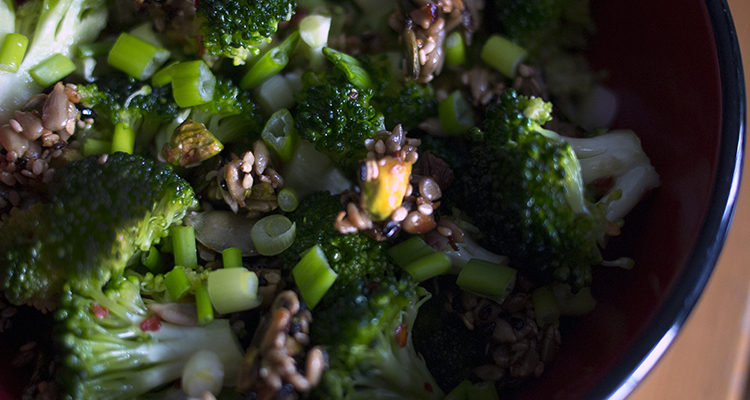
{"points": [[237, 29], [99, 215], [336, 117]]}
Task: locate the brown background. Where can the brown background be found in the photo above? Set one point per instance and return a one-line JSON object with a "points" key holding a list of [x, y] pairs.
{"points": [[709, 358]]}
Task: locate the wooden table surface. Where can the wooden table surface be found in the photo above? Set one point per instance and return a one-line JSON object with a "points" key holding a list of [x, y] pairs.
{"points": [[709, 358]]}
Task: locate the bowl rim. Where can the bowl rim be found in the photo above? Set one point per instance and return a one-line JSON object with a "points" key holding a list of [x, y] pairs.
{"points": [[680, 301]]}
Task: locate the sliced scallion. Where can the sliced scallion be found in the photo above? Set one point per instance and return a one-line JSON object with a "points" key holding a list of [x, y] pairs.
{"points": [[313, 276], [95, 146], [152, 259], [193, 83], [95, 49], [350, 66], [136, 57], [287, 199], [455, 49], [233, 289], [503, 55], [164, 76], [183, 246], [231, 257], [409, 250], [482, 391], [428, 266], [123, 138], [455, 114], [545, 306], [177, 283], [460, 392], [273, 234], [52, 70], [203, 305], [12, 51], [280, 134], [270, 63], [487, 279]]}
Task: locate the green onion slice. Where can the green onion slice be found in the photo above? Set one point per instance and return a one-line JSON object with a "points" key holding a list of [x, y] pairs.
{"points": [[203, 305], [270, 63], [428, 266], [52, 70], [487, 279], [287, 199], [193, 83], [177, 283], [409, 251], [12, 51], [503, 55], [136, 57], [273, 234], [313, 276], [280, 134], [545, 306], [233, 289], [455, 114], [231, 257], [350, 66], [455, 49], [183, 246]]}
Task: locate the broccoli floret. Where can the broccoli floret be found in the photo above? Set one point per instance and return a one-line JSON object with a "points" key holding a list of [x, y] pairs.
{"points": [[236, 29], [114, 348], [98, 216], [451, 350], [528, 194], [367, 332], [402, 101], [147, 110], [337, 117], [354, 257], [527, 185], [232, 115], [123, 102], [52, 26]]}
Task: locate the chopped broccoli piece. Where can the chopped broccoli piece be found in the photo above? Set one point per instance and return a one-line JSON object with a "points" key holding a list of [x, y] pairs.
{"points": [[232, 116], [337, 117], [98, 216], [53, 27], [528, 194], [367, 332], [402, 101], [354, 257], [236, 29], [120, 100], [114, 348], [451, 350], [528, 185]]}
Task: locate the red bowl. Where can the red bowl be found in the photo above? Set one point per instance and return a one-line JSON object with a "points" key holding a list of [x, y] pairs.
{"points": [[675, 68]]}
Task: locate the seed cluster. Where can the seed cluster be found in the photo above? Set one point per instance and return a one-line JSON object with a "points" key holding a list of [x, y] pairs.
{"points": [[518, 348], [248, 182], [271, 369], [33, 142], [416, 212], [423, 26]]}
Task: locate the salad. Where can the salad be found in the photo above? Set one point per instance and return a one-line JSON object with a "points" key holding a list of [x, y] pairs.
{"points": [[307, 199]]}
